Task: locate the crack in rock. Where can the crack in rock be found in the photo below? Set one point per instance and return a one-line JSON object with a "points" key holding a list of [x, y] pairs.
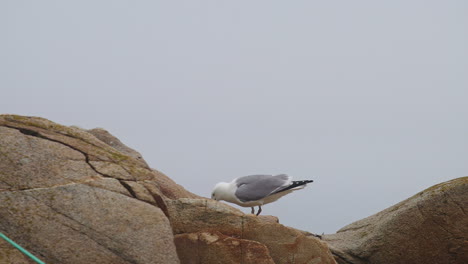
{"points": [[159, 202], [83, 232], [33, 133], [129, 188], [46, 187]]}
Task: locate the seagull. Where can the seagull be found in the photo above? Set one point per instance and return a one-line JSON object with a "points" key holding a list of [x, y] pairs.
{"points": [[256, 190]]}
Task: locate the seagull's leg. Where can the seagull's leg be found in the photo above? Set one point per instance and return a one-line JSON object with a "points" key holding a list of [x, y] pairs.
{"points": [[253, 211], [259, 210]]}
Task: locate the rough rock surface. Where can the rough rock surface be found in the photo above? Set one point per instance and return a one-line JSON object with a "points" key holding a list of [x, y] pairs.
{"points": [[189, 217], [9, 255], [214, 247], [81, 196], [430, 227], [66, 196], [114, 142], [74, 196]]}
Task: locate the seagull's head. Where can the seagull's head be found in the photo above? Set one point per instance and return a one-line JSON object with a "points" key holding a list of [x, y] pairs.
{"points": [[219, 191]]}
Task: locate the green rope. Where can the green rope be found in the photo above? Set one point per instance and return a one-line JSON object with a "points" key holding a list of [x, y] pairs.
{"points": [[24, 251]]}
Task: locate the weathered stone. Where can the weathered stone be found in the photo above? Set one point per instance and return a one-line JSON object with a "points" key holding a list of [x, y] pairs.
{"points": [[114, 142], [80, 224], [285, 245], [11, 255], [70, 198], [32, 162], [214, 247], [430, 227], [169, 188], [76, 196], [195, 215]]}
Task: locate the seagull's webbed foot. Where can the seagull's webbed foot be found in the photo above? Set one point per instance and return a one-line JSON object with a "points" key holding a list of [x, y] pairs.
{"points": [[259, 210]]}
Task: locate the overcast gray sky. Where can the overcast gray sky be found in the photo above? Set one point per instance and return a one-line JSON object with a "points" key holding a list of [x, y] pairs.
{"points": [[367, 98]]}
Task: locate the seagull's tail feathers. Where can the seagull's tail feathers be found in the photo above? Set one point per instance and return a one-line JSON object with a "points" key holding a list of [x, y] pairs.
{"points": [[296, 185]]}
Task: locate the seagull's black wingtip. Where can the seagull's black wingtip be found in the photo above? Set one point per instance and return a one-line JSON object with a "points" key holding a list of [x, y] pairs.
{"points": [[297, 183], [294, 185]]}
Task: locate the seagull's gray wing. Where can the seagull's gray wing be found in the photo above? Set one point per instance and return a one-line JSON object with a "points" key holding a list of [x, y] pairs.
{"points": [[256, 187]]}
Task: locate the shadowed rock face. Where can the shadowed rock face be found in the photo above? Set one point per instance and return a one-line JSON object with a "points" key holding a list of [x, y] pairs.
{"points": [[430, 227], [74, 196]]}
